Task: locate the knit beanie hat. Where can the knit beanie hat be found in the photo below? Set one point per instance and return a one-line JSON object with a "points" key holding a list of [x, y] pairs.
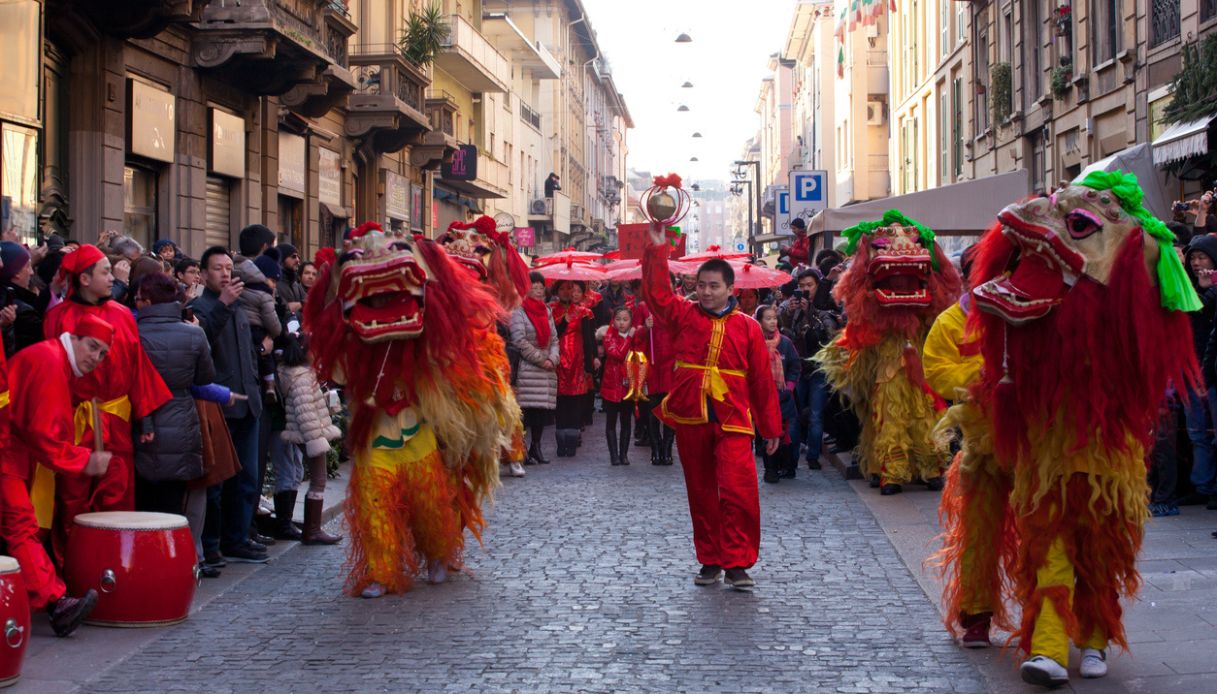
{"points": [[15, 258], [269, 267]]}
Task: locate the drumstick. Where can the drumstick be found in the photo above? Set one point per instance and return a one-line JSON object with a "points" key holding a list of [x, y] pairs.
{"points": [[98, 443]]}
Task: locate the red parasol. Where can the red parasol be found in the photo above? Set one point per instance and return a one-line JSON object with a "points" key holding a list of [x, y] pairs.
{"points": [[570, 270], [714, 252], [567, 255], [625, 273], [749, 276]]}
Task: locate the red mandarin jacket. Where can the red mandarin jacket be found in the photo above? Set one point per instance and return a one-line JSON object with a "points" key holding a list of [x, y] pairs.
{"points": [[659, 346], [574, 354], [722, 365], [5, 400], [614, 383], [126, 372], [43, 399]]}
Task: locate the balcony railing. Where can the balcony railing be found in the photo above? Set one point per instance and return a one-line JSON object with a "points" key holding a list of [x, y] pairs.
{"points": [[530, 116], [471, 60]]}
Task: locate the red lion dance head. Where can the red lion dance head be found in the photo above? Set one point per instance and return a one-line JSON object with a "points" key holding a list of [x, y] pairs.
{"points": [[488, 254], [402, 326], [898, 282], [1082, 302]]}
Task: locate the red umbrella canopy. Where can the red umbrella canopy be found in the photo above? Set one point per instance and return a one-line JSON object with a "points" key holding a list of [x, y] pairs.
{"points": [[714, 252], [567, 255], [625, 273], [570, 270], [748, 276]]}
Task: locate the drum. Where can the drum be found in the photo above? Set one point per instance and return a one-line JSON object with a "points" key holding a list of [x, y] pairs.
{"points": [[14, 621], [142, 565]]}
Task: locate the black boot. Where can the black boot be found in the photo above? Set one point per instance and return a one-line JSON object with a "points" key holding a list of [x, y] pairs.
{"points": [[285, 506], [771, 469], [67, 613], [786, 462], [536, 455], [656, 453], [623, 447], [612, 446], [669, 438]]}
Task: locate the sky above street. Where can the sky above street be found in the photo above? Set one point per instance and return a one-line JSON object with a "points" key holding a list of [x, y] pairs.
{"points": [[732, 42]]}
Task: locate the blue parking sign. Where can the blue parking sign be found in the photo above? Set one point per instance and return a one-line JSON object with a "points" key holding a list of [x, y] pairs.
{"points": [[808, 189]]}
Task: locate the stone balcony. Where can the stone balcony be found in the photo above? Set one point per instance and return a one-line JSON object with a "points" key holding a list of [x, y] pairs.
{"points": [[471, 60], [388, 104], [315, 99], [266, 47], [139, 19], [526, 54]]}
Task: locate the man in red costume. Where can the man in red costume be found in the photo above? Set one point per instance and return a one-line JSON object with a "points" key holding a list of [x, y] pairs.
{"points": [[722, 382], [127, 385], [43, 398]]}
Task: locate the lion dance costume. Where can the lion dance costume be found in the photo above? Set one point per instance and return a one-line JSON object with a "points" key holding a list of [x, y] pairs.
{"points": [[488, 255], [899, 281], [414, 342], [1081, 324]]}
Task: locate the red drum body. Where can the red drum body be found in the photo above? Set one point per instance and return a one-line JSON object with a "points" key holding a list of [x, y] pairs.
{"points": [[142, 565], [14, 621]]}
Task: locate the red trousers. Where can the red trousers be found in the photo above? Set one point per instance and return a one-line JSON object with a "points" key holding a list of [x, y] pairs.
{"points": [[74, 495], [19, 528], [720, 476]]}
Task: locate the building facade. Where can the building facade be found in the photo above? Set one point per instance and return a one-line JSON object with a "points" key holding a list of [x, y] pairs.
{"points": [[188, 119]]}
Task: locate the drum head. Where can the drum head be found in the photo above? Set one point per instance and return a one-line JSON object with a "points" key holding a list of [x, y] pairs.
{"points": [[131, 520], [8, 565]]}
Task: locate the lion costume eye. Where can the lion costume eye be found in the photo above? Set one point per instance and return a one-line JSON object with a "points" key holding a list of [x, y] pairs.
{"points": [[1081, 223]]}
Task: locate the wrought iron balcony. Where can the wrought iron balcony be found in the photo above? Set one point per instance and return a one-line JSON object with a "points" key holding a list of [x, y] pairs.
{"points": [[471, 60], [134, 18], [387, 106], [265, 46], [315, 99]]}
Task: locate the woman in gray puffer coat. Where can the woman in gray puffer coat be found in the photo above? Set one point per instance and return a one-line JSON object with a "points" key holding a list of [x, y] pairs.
{"points": [[533, 334], [181, 354]]}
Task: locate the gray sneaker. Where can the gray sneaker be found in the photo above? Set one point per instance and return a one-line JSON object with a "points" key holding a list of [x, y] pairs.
{"points": [[739, 579], [708, 576]]}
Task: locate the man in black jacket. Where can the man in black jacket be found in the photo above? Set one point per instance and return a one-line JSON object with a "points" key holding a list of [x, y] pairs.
{"points": [[235, 357]]}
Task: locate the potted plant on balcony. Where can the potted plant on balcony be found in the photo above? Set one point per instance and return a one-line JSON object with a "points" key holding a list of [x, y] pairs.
{"points": [[1062, 79], [1062, 18], [424, 36], [1000, 78]]}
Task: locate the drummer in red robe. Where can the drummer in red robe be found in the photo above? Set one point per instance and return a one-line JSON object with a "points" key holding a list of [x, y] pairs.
{"points": [[127, 387], [44, 382], [722, 393]]}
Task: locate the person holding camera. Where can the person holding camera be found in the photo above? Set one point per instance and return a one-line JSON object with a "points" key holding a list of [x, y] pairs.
{"points": [[22, 305], [809, 328]]}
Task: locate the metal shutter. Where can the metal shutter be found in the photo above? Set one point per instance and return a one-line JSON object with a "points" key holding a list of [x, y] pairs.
{"points": [[219, 213]]}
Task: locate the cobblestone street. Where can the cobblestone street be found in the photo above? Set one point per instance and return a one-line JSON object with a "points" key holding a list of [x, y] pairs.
{"points": [[584, 585]]}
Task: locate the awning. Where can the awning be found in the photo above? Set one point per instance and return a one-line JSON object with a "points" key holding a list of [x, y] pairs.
{"points": [[1139, 160], [1183, 140], [960, 209], [337, 211]]}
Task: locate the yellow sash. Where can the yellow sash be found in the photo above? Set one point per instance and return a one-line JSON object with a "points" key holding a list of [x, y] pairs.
{"points": [[42, 492], [715, 386], [4, 400]]}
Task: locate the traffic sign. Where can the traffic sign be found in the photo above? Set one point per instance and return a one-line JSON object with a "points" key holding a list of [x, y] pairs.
{"points": [[808, 194]]}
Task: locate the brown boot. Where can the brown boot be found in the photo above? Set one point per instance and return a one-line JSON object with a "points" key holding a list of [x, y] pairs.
{"points": [[313, 534]]}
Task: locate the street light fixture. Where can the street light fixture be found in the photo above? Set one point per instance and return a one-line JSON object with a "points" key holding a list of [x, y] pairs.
{"points": [[756, 189], [693, 159], [682, 108], [687, 85], [696, 134], [684, 38]]}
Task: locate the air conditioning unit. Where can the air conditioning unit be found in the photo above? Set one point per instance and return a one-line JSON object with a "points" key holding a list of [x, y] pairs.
{"points": [[537, 207], [876, 112], [872, 31]]}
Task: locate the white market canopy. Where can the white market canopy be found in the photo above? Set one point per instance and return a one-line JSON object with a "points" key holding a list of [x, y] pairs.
{"points": [[965, 208]]}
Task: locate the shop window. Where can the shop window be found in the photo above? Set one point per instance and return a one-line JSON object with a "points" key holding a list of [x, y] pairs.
{"points": [[19, 181], [140, 204], [291, 221]]}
